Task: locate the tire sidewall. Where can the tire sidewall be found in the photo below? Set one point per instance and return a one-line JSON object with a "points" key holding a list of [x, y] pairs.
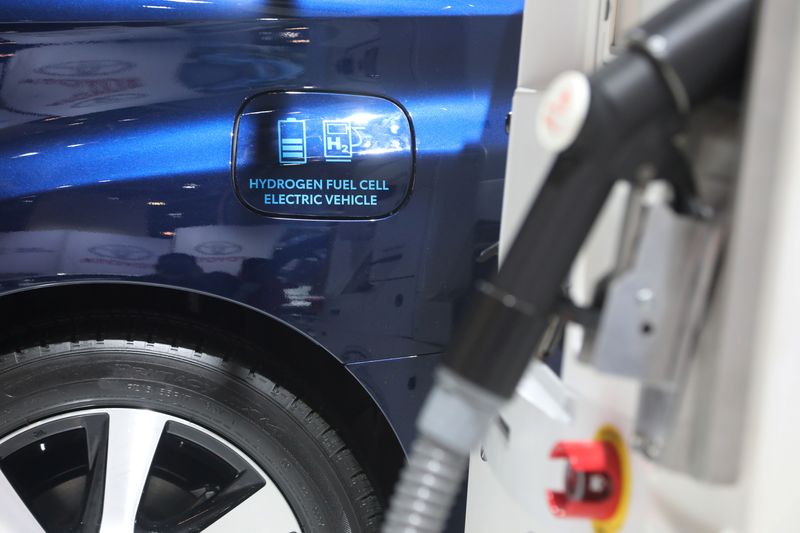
{"points": [[260, 418]]}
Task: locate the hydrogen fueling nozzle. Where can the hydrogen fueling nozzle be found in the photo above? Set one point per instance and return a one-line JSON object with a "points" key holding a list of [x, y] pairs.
{"points": [[691, 50]]}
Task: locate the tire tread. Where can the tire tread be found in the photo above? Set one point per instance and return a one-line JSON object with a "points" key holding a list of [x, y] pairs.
{"points": [[362, 494]]}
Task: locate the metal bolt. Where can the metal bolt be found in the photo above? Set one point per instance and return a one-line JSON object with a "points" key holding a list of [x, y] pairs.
{"points": [[597, 483], [646, 172], [657, 45], [644, 295], [653, 448]]}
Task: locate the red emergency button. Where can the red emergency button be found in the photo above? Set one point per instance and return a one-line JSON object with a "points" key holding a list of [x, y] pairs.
{"points": [[593, 480]]}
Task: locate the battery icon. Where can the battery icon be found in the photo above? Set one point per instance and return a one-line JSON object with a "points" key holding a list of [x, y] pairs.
{"points": [[292, 142]]}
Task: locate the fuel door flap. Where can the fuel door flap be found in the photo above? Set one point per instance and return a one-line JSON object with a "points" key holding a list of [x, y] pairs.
{"points": [[322, 155]]}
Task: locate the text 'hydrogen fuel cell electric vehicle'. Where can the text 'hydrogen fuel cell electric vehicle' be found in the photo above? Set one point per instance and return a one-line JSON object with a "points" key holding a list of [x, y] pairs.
{"points": [[234, 236]]}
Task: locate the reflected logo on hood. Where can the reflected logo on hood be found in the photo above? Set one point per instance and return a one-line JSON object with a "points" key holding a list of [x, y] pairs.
{"points": [[125, 252], [218, 248], [86, 68]]}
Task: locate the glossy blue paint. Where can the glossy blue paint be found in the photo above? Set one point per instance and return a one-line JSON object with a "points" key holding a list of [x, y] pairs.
{"points": [[115, 161], [399, 385], [172, 10]]}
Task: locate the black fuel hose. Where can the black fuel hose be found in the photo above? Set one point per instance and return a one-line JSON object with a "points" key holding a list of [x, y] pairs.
{"points": [[683, 55]]}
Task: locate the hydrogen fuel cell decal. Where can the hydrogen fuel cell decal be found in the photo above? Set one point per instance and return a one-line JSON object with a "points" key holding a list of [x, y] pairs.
{"points": [[323, 155]]}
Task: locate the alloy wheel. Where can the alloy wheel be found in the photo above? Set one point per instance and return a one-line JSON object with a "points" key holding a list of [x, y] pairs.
{"points": [[124, 470]]}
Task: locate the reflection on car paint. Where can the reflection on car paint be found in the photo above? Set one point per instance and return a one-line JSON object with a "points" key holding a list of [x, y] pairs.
{"points": [[116, 145]]}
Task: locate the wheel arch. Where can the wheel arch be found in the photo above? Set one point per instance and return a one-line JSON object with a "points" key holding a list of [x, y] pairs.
{"points": [[302, 364]]}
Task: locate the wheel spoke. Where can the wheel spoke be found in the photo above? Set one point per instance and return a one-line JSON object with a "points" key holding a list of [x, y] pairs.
{"points": [[96, 428], [208, 512], [123, 448], [133, 436], [14, 514], [266, 511]]}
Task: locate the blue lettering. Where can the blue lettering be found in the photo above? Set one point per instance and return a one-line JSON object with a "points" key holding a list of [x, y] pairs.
{"points": [[340, 185], [373, 185], [292, 199], [356, 199], [257, 183]]}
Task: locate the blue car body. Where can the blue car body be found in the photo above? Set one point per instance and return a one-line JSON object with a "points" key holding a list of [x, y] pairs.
{"points": [[116, 132]]}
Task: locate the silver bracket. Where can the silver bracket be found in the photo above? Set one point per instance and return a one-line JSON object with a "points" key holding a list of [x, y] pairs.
{"points": [[653, 313]]}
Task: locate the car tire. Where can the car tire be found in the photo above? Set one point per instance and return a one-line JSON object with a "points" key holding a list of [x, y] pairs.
{"points": [[302, 454]]}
